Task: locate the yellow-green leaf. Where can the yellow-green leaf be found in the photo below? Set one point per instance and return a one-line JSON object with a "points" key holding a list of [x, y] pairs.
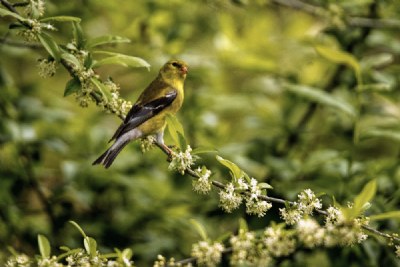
{"points": [[341, 57], [44, 246], [5, 12], [123, 60], [50, 45], [106, 39], [175, 129], [90, 245], [236, 172], [200, 229], [386, 215], [61, 19], [365, 196], [322, 97]]}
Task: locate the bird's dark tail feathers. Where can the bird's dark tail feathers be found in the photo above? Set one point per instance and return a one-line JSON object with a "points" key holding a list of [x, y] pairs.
{"points": [[108, 157]]}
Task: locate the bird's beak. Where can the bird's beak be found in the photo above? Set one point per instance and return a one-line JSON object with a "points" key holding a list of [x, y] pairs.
{"points": [[184, 70]]}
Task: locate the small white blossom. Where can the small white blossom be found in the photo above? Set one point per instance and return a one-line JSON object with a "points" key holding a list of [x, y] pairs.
{"points": [[147, 143], [229, 199], [308, 201], [397, 251], [182, 160], [241, 184], [291, 215], [35, 8], [49, 262], [47, 68], [257, 207], [202, 185], [310, 233], [20, 260], [207, 254], [346, 233], [243, 248], [278, 242], [335, 216]]}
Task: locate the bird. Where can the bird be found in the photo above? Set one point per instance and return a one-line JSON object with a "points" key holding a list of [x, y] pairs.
{"points": [[164, 95]]}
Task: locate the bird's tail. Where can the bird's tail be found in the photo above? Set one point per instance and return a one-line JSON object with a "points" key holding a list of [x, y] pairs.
{"points": [[108, 157]]}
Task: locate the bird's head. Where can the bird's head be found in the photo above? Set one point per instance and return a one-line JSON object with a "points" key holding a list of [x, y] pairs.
{"points": [[174, 69]]}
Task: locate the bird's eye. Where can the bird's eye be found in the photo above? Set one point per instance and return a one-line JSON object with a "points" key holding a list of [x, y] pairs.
{"points": [[175, 64]]}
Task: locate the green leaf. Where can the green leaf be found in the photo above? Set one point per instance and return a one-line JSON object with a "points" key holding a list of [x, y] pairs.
{"points": [[363, 198], [102, 88], [50, 45], [264, 186], [123, 60], [321, 97], [386, 215], [79, 228], [200, 229], [182, 141], [393, 135], [341, 57], [90, 245], [107, 39], [126, 254], [78, 35], [236, 172], [44, 246], [175, 129], [70, 58], [61, 19], [5, 12], [243, 225], [203, 150], [72, 86]]}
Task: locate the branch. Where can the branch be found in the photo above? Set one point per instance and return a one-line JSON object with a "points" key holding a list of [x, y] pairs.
{"points": [[318, 11]]}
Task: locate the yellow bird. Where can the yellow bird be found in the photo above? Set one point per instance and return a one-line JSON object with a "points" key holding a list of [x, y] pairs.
{"points": [[163, 96]]}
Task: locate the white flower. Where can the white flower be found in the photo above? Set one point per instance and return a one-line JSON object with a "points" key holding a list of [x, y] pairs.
{"points": [[229, 199], [257, 207], [397, 251], [310, 233], [202, 184], [147, 143], [335, 216], [291, 215], [278, 242], [243, 248], [206, 253], [308, 201], [182, 160], [47, 68]]}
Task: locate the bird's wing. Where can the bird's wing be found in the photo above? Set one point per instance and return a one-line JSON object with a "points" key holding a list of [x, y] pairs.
{"points": [[140, 113]]}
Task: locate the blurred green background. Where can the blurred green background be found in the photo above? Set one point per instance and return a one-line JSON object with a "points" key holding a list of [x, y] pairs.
{"points": [[241, 54]]}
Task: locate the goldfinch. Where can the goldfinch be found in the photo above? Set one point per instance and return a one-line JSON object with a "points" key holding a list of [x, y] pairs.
{"points": [[164, 95]]}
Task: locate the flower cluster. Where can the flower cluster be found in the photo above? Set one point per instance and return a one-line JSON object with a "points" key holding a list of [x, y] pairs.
{"points": [[116, 104], [182, 160], [49, 262], [253, 204], [47, 68], [207, 254], [397, 251], [307, 202], [229, 200], [278, 241], [310, 233], [162, 261], [202, 185], [147, 143], [81, 258], [20, 260], [345, 233], [244, 249], [35, 8]]}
